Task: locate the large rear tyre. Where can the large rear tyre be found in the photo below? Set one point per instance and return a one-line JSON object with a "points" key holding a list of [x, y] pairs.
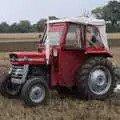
{"points": [[96, 78], [35, 92], [7, 89]]}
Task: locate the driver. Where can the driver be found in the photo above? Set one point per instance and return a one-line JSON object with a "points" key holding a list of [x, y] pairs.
{"points": [[92, 37]]}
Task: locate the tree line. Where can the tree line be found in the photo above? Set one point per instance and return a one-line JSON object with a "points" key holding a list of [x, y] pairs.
{"points": [[24, 26]]}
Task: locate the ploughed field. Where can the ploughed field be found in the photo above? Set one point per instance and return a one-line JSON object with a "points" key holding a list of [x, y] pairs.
{"points": [[58, 108], [29, 41]]}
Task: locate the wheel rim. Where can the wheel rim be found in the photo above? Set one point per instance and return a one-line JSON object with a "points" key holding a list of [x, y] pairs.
{"points": [[37, 93], [99, 80]]}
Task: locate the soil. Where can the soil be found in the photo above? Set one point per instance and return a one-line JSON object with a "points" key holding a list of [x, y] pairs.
{"points": [[60, 107]]}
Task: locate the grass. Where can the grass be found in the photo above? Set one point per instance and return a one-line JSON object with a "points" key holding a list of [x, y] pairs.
{"points": [[29, 41], [113, 35], [35, 36], [60, 108], [67, 108], [8, 39], [18, 37]]}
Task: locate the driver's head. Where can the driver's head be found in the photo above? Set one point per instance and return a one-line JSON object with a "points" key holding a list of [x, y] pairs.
{"points": [[89, 33]]}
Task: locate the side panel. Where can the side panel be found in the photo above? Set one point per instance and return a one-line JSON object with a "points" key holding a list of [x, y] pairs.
{"points": [[31, 58], [68, 65]]}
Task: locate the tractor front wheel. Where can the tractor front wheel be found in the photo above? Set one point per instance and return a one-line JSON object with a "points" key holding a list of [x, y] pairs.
{"points": [[7, 89], [96, 78], [35, 91]]}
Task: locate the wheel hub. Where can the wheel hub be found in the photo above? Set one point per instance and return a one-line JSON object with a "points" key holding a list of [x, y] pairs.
{"points": [[37, 94], [99, 80], [99, 77]]}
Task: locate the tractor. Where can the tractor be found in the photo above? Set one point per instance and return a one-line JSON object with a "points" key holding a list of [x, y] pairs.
{"points": [[72, 55]]}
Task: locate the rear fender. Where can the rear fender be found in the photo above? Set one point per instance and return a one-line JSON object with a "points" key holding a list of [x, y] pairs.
{"points": [[98, 52]]}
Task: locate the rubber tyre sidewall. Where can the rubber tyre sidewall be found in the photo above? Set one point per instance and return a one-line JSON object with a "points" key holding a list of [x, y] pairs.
{"points": [[84, 75], [26, 91], [5, 78]]}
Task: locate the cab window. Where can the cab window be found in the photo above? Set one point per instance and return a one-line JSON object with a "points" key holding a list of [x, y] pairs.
{"points": [[73, 38], [93, 38]]}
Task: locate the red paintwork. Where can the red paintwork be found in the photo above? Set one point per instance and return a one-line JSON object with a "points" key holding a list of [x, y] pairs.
{"points": [[68, 61], [68, 65], [98, 51], [33, 55]]}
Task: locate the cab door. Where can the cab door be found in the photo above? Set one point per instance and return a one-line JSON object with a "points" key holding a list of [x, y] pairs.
{"points": [[69, 56]]}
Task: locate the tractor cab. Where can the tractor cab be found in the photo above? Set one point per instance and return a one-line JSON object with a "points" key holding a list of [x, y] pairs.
{"points": [[77, 33], [72, 55]]}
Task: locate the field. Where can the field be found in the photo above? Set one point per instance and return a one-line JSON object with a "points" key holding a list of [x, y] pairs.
{"points": [[19, 42], [58, 108], [114, 39], [29, 41], [19, 37]]}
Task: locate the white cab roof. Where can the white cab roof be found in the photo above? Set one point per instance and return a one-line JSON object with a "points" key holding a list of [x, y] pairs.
{"points": [[82, 20]]}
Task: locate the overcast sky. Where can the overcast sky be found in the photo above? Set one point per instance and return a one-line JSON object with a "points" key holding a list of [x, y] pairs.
{"points": [[32, 10]]}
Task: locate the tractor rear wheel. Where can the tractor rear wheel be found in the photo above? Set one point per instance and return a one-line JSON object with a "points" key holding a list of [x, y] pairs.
{"points": [[7, 89], [96, 78], [35, 91]]}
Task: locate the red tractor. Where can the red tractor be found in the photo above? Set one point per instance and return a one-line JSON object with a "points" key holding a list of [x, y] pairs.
{"points": [[73, 54]]}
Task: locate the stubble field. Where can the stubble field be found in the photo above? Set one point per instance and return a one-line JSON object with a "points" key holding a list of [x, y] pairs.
{"points": [[58, 108]]}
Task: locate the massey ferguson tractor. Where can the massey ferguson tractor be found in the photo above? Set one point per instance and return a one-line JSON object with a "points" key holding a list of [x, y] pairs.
{"points": [[73, 54]]}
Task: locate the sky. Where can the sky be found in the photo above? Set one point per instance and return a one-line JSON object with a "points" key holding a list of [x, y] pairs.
{"points": [[33, 10]]}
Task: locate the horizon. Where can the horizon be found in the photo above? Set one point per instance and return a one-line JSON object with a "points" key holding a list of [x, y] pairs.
{"points": [[35, 10]]}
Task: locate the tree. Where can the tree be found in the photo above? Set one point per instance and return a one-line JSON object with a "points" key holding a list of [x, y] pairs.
{"points": [[109, 12], [40, 25], [14, 28], [4, 27], [34, 28], [24, 26], [98, 12], [53, 18]]}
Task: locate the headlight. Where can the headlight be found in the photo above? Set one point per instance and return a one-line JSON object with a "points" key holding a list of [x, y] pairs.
{"points": [[13, 57], [10, 70]]}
